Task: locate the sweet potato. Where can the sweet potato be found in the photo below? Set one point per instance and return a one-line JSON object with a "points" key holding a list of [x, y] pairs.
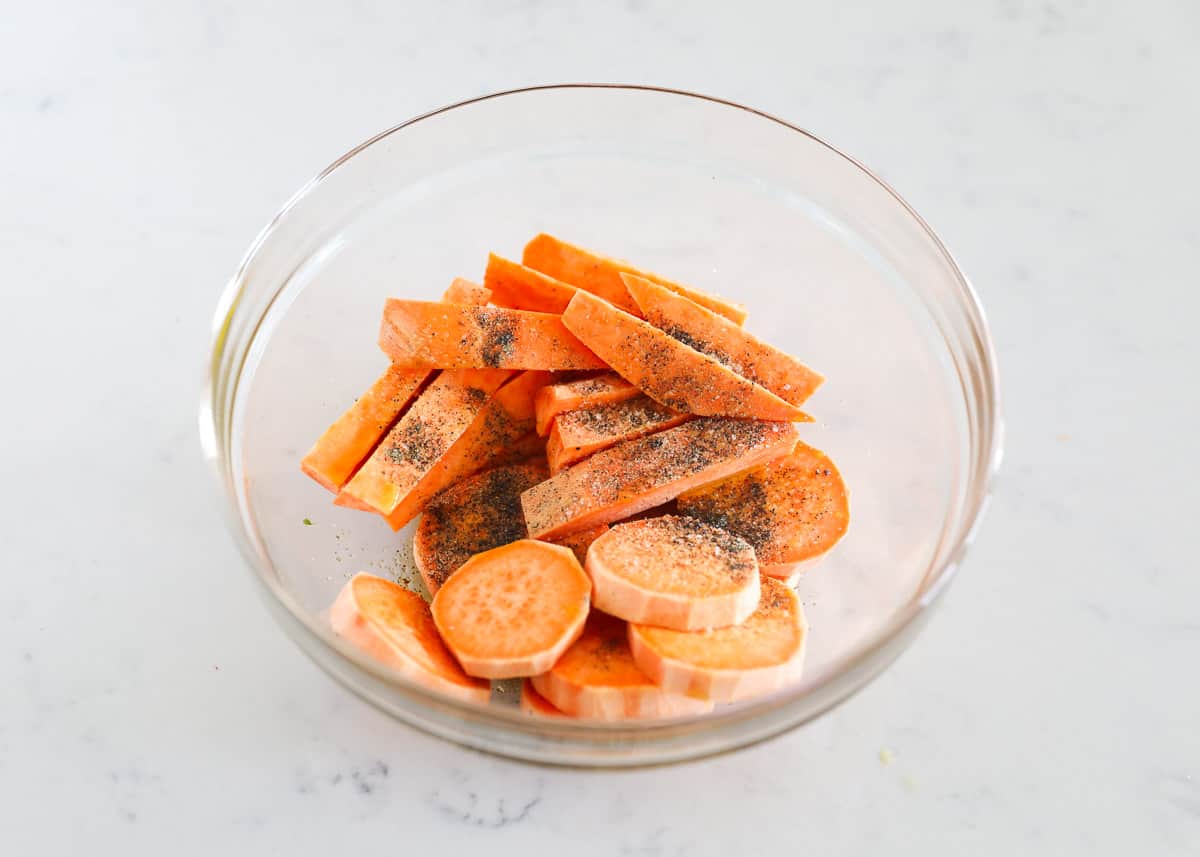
{"points": [[578, 542], [639, 474], [395, 627], [577, 434], [391, 479], [792, 510], [675, 572], [759, 656], [346, 444], [493, 435], [555, 399], [596, 678], [666, 369], [515, 286], [601, 276], [472, 516], [727, 343], [512, 611], [430, 334], [534, 703], [463, 291]]}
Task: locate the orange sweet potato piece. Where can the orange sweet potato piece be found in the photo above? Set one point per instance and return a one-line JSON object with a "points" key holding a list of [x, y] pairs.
{"points": [[463, 291], [346, 444], [675, 572], [578, 542], [596, 678], [727, 343], [759, 656], [472, 516], [630, 477], [498, 433], [534, 703], [555, 399], [396, 480], [601, 276], [577, 434], [395, 627], [666, 369], [512, 611], [792, 510], [430, 334], [515, 286]]}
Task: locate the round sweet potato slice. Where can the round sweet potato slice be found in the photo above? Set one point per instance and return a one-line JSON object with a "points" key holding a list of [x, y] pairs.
{"points": [[675, 572], [394, 626], [792, 510], [763, 654], [512, 611], [598, 679]]}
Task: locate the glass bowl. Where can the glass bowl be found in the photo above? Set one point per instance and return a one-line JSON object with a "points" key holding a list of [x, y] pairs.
{"points": [[832, 264]]}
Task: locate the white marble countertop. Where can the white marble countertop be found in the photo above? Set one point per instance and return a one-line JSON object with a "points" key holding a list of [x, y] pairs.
{"points": [[150, 706]]}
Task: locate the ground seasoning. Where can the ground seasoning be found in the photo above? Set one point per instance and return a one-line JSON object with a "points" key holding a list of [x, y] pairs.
{"points": [[473, 516]]}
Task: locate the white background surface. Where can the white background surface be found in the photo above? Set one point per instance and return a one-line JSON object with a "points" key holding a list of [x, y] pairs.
{"points": [[147, 703]]}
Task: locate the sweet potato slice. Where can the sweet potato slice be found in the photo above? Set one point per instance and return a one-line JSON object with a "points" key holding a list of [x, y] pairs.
{"points": [[463, 291], [395, 627], [433, 335], [601, 276], [579, 542], [792, 510], [392, 477], [630, 477], [472, 516], [675, 572], [759, 656], [666, 369], [534, 703], [346, 444], [598, 679], [512, 611], [515, 286], [491, 438], [577, 434], [556, 399], [712, 334]]}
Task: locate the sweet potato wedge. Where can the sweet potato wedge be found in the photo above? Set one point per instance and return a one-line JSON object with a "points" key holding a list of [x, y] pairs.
{"points": [[493, 435], [792, 510], [666, 369], [596, 678], [674, 572], [463, 291], [515, 286], [577, 434], [512, 611], [399, 474], [639, 474], [712, 334], [472, 516], [601, 276], [395, 627], [346, 444], [434, 335], [555, 399], [759, 656]]}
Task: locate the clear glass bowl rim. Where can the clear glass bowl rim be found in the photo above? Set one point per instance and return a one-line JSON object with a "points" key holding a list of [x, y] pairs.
{"points": [[216, 421]]}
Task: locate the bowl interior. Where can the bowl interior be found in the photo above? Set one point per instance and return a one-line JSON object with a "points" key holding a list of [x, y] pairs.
{"points": [[832, 267]]}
